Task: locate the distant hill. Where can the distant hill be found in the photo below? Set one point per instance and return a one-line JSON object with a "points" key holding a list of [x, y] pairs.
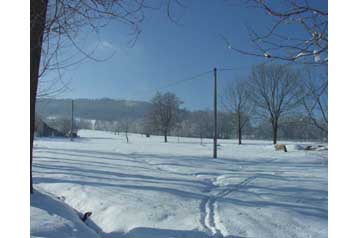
{"points": [[99, 109]]}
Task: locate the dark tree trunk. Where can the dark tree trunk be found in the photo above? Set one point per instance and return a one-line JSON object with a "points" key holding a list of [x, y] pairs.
{"points": [[239, 129], [239, 136], [274, 131], [165, 136], [37, 25]]}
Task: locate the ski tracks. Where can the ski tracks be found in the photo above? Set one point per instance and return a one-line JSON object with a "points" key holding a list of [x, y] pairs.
{"points": [[209, 215]]}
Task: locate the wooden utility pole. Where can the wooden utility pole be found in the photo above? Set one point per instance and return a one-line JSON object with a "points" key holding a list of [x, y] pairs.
{"points": [[71, 133], [215, 116]]}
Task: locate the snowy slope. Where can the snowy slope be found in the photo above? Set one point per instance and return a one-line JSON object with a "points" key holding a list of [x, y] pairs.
{"points": [[50, 217], [149, 189]]}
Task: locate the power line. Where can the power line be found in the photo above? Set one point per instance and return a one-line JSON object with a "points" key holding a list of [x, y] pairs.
{"points": [[196, 77], [186, 79], [175, 82], [231, 69]]}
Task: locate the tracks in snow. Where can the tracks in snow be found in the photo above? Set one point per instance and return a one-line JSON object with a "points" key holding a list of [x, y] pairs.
{"points": [[209, 216]]}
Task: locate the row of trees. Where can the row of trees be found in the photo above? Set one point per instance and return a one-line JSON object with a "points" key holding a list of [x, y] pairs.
{"points": [[272, 97], [276, 94]]}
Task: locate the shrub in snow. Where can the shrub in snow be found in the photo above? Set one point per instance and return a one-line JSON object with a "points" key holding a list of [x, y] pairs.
{"points": [[281, 147]]}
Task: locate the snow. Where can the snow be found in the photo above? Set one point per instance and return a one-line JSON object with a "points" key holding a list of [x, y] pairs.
{"points": [[151, 189], [317, 56], [50, 217], [301, 54]]}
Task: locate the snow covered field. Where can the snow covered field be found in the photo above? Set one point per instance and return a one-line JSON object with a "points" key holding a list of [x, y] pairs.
{"points": [[149, 189]]}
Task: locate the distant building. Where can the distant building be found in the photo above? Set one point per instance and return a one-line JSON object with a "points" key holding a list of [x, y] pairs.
{"points": [[43, 130]]}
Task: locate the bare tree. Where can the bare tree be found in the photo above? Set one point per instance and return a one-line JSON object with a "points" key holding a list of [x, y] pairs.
{"points": [[309, 17], [147, 125], [164, 112], [236, 100], [125, 125], [225, 125], [37, 23], [274, 89], [202, 124], [315, 99], [54, 27], [55, 24]]}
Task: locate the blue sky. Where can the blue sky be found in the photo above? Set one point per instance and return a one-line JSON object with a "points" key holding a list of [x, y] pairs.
{"points": [[166, 52]]}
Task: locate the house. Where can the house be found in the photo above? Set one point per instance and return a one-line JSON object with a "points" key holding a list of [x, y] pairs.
{"points": [[43, 130]]}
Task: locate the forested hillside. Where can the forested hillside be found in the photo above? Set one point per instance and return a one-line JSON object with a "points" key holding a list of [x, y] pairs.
{"points": [[99, 109]]}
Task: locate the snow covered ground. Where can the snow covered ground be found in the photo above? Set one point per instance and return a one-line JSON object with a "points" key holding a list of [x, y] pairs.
{"points": [[50, 217], [149, 189]]}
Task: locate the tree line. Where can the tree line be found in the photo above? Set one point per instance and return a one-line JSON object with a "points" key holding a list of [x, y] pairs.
{"points": [[275, 99], [274, 102]]}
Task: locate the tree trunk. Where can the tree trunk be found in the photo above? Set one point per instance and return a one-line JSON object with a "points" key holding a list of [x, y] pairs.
{"points": [[239, 136], [274, 131], [37, 25], [165, 136]]}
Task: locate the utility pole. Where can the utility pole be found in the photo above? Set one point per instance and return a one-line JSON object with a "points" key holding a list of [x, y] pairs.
{"points": [[71, 133], [215, 116]]}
